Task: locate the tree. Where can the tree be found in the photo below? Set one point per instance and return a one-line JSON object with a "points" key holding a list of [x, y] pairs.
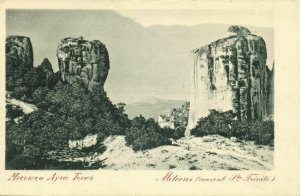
{"points": [[39, 94], [68, 111]]}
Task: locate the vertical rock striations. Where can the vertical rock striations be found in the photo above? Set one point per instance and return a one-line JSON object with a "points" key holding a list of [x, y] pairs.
{"points": [[45, 74], [231, 74], [83, 60], [22, 78], [19, 55], [270, 103]]}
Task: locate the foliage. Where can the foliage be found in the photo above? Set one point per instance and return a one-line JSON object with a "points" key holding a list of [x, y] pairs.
{"points": [[13, 111], [23, 86], [39, 94], [22, 161], [224, 124], [22, 80], [178, 133], [35, 134], [93, 111], [145, 134], [65, 112]]}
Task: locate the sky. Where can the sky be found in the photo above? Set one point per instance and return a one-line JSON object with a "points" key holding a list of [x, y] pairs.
{"points": [[149, 50], [190, 17]]}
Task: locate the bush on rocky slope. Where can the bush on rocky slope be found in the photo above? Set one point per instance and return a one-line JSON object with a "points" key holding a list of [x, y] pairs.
{"points": [[66, 112], [145, 134], [224, 124]]}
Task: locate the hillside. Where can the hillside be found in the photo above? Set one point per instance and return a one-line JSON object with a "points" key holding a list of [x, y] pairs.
{"points": [[208, 153], [212, 152], [151, 107]]}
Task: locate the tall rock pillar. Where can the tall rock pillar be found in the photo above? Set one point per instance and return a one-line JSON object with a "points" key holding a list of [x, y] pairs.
{"points": [[87, 61], [230, 74]]}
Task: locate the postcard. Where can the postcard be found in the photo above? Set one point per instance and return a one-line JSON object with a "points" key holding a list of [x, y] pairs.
{"points": [[149, 98]]}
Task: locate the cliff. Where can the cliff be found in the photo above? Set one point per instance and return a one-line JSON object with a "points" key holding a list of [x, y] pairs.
{"points": [[22, 78], [271, 92], [87, 61], [19, 48], [45, 74], [231, 74], [19, 55]]}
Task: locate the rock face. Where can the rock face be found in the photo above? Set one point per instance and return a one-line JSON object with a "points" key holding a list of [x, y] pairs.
{"points": [[46, 76], [19, 48], [19, 55], [270, 103], [175, 117], [46, 66], [83, 60], [231, 74]]}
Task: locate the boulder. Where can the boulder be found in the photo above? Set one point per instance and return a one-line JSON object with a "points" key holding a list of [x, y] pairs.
{"points": [[233, 139]]}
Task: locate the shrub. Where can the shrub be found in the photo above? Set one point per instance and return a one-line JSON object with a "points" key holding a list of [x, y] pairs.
{"points": [[223, 123], [94, 112], [193, 167], [13, 112], [145, 134], [266, 134], [31, 137], [178, 133], [215, 123]]}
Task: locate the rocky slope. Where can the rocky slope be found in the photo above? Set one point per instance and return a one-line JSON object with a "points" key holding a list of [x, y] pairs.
{"points": [[202, 153], [208, 153], [175, 117], [26, 107], [84, 60], [231, 74]]}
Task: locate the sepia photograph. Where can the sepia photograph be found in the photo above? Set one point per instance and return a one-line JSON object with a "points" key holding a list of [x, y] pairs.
{"points": [[113, 90], [150, 97]]}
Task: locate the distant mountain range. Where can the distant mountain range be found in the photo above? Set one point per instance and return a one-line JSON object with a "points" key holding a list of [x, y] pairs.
{"points": [[151, 107]]}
